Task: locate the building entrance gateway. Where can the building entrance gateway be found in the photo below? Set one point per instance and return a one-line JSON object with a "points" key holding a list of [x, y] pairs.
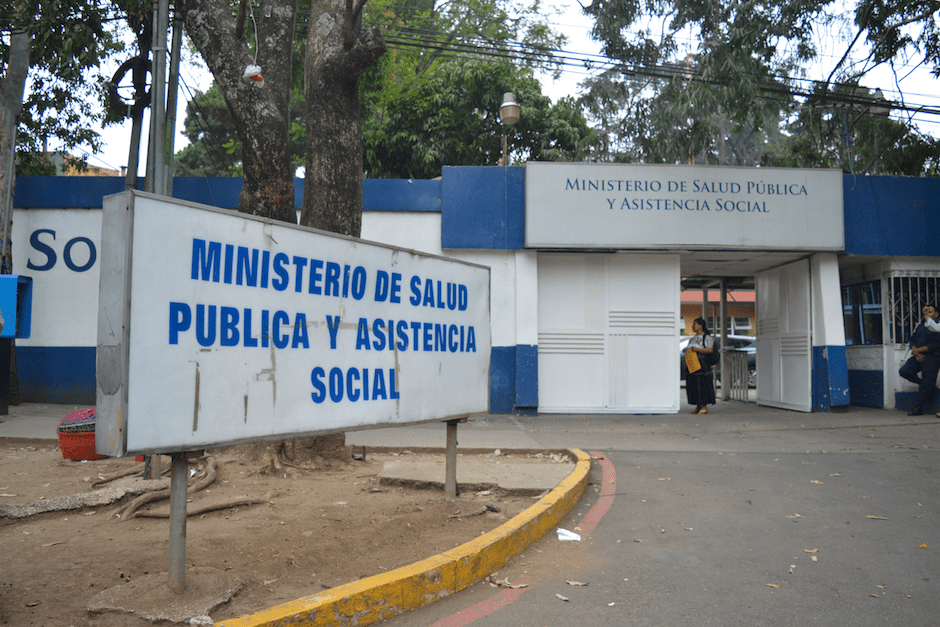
{"points": [[609, 321]]}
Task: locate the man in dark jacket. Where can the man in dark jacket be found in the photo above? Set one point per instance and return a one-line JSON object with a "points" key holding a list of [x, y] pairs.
{"points": [[925, 361]]}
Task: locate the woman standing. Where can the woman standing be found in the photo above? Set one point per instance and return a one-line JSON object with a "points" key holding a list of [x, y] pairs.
{"points": [[699, 385]]}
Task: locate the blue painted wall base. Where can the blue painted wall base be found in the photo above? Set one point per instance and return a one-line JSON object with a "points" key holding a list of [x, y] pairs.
{"points": [[61, 374], [866, 388], [830, 378], [514, 379], [502, 379]]}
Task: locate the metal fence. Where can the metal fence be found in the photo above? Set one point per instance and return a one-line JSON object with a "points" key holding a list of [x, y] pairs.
{"points": [[737, 374]]}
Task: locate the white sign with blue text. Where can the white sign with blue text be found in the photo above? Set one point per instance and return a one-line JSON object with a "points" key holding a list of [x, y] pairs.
{"points": [[674, 207], [217, 328]]}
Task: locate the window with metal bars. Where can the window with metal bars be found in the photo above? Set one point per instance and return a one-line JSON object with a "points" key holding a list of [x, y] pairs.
{"points": [[907, 295]]}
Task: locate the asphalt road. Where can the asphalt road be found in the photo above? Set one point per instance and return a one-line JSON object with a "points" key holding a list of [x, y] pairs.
{"points": [[716, 520]]}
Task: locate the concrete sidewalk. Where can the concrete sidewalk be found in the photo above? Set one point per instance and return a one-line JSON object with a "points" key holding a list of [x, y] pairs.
{"points": [[546, 432]]}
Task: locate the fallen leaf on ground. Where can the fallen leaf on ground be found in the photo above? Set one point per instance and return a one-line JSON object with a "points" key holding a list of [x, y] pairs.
{"points": [[923, 546], [665, 479], [561, 597], [814, 558], [795, 516], [638, 540], [504, 583], [575, 583], [772, 585], [811, 550], [874, 595], [816, 482], [877, 518], [689, 528]]}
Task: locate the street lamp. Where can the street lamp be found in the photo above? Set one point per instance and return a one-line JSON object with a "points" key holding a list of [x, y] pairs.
{"points": [[880, 110], [508, 114]]}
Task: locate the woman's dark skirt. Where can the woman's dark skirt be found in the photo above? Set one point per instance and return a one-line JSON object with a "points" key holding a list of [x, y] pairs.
{"points": [[700, 389]]}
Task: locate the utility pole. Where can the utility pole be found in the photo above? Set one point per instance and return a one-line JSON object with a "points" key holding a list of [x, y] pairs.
{"points": [[156, 163]]}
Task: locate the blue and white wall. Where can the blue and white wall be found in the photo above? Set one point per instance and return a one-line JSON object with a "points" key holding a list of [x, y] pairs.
{"points": [[474, 214], [892, 225], [830, 375], [56, 241]]}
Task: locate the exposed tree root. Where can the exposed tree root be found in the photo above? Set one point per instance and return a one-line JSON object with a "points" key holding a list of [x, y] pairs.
{"points": [[120, 475], [130, 510], [209, 507], [281, 457]]}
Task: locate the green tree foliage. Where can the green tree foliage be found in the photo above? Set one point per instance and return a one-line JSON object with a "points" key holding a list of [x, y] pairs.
{"points": [[214, 149], [209, 127], [682, 97], [423, 33], [452, 118], [448, 44], [672, 102], [856, 138], [70, 41], [433, 100], [896, 30]]}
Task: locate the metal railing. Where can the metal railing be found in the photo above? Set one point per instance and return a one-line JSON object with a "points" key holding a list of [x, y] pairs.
{"points": [[737, 374]]}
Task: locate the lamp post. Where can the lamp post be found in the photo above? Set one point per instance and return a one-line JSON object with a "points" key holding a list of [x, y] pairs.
{"points": [[508, 115], [880, 111]]}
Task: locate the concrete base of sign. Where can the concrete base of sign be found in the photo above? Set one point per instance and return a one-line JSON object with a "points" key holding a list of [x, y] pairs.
{"points": [[150, 597]]}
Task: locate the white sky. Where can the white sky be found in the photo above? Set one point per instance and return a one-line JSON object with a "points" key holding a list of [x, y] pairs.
{"points": [[919, 88]]}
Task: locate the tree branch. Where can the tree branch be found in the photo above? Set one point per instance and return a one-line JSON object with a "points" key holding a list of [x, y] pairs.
{"points": [[240, 20], [353, 12]]}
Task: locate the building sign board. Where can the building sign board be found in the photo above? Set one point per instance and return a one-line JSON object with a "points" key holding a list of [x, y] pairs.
{"points": [[217, 328], [682, 207]]}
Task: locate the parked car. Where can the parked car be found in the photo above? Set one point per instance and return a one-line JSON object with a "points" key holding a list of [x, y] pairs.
{"points": [[743, 343]]}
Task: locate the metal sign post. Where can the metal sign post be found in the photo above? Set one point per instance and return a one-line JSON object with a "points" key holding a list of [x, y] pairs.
{"points": [[178, 484]]}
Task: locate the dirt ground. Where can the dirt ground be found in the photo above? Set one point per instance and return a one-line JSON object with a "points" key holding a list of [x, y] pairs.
{"points": [[311, 530]]}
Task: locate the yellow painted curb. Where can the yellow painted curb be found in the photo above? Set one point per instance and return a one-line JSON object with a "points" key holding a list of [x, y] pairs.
{"points": [[370, 600]]}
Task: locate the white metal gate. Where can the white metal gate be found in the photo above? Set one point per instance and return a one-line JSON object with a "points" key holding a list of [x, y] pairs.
{"points": [[608, 334], [784, 342]]}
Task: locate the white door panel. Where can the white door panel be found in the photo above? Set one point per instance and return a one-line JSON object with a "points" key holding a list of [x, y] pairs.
{"points": [[784, 344], [570, 381], [608, 334]]}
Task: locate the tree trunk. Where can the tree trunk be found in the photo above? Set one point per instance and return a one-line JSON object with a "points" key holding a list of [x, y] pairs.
{"points": [[337, 55], [11, 103], [261, 114]]}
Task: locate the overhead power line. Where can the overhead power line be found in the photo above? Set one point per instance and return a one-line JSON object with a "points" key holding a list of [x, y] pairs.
{"points": [[513, 51]]}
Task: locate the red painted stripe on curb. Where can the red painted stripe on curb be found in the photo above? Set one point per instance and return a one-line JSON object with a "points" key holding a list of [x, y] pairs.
{"points": [[606, 499], [587, 524], [481, 609]]}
